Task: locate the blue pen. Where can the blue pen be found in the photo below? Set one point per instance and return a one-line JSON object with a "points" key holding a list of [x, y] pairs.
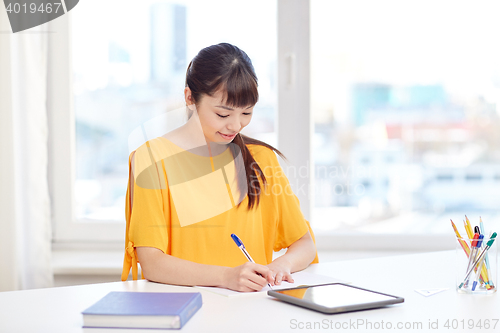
{"points": [[240, 245]]}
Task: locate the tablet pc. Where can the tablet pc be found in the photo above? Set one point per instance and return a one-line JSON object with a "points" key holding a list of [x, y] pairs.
{"points": [[335, 298]]}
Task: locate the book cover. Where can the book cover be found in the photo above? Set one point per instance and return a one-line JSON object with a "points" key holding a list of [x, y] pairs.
{"points": [[123, 309]]}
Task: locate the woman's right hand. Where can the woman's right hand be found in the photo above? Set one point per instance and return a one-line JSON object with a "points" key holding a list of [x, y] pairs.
{"points": [[246, 277]]}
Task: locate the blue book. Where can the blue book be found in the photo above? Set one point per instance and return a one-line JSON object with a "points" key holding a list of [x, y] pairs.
{"points": [[123, 309]]}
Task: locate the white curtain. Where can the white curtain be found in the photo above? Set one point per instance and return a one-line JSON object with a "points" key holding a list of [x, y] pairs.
{"points": [[25, 227]]}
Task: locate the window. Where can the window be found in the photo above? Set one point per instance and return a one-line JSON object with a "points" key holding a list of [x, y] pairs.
{"points": [[131, 71], [419, 83]]}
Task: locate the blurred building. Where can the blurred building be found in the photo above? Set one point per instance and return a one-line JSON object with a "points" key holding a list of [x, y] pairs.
{"points": [[168, 41], [412, 149]]}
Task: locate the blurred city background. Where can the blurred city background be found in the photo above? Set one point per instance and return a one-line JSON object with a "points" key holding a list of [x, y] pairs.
{"points": [[405, 98]]}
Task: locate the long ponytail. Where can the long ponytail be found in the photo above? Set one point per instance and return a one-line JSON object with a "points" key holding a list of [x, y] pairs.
{"points": [[252, 169]]}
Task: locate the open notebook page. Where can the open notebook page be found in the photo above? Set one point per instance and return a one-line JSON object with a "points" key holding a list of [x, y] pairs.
{"points": [[300, 279]]}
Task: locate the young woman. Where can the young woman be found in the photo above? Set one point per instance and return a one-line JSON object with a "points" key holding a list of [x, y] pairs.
{"points": [[190, 189]]}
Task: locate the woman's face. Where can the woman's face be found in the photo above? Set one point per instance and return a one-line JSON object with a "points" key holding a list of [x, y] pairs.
{"points": [[220, 122]]}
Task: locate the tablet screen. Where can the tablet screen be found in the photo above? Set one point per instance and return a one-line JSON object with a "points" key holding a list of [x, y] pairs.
{"points": [[336, 295]]}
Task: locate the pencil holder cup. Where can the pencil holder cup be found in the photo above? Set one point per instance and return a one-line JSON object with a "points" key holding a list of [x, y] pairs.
{"points": [[469, 260]]}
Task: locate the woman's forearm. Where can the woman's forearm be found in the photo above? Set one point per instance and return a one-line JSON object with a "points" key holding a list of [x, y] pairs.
{"points": [[300, 254], [160, 267]]}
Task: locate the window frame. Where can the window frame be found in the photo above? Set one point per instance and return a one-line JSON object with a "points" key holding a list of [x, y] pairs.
{"points": [[61, 174], [295, 126], [67, 229]]}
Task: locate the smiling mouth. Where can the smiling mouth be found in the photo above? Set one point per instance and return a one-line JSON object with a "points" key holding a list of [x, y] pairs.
{"points": [[227, 137]]}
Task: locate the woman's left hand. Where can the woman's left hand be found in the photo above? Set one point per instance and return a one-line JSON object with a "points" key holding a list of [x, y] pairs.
{"points": [[280, 270]]}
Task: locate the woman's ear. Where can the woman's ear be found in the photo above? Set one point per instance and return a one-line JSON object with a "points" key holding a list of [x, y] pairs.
{"points": [[188, 97]]}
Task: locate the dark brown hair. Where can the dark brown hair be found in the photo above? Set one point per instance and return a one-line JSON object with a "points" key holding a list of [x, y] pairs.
{"points": [[224, 67]]}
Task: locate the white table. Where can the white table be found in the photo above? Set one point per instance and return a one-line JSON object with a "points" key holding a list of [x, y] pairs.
{"points": [[58, 309]]}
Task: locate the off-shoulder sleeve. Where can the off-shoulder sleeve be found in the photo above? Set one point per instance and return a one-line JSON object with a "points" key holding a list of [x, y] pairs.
{"points": [[145, 208], [291, 224]]}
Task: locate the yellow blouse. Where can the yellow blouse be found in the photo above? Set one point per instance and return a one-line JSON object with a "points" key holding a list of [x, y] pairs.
{"points": [[186, 205]]}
